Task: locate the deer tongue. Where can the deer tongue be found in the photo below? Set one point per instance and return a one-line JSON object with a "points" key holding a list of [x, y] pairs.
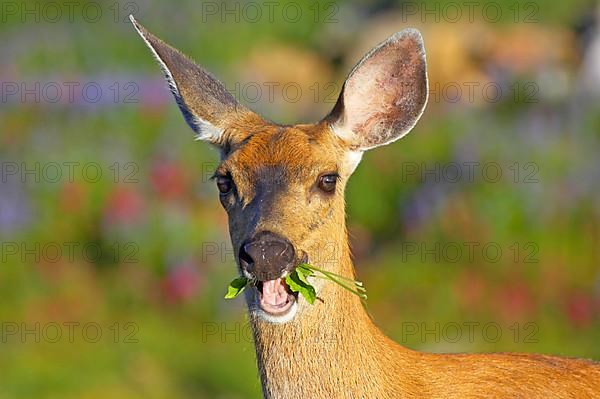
{"points": [[274, 293]]}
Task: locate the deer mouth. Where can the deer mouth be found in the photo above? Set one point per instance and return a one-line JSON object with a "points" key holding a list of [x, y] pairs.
{"points": [[275, 297]]}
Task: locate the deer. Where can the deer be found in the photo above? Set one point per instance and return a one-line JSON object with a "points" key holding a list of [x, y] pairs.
{"points": [[282, 187]]}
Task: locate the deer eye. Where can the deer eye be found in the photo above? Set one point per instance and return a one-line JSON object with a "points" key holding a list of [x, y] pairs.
{"points": [[224, 184], [327, 182]]}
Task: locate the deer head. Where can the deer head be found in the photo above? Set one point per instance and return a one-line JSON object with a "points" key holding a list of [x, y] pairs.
{"points": [[283, 186]]}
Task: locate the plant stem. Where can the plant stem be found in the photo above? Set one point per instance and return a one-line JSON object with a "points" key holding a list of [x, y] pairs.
{"points": [[330, 278], [316, 269]]}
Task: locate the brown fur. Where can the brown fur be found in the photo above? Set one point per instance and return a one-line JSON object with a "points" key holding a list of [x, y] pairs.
{"points": [[332, 349]]}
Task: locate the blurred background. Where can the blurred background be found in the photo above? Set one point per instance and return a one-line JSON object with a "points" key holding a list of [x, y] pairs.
{"points": [[479, 231]]}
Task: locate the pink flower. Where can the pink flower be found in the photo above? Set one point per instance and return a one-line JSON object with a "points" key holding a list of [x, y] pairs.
{"points": [[181, 283], [168, 179], [124, 205], [580, 309], [515, 301]]}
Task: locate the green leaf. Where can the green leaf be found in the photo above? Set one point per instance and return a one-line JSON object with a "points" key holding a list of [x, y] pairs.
{"points": [[356, 287], [236, 287], [304, 269], [300, 285], [303, 277], [297, 281]]}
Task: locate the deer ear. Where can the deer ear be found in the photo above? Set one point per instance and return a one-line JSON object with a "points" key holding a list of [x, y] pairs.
{"points": [[204, 102], [384, 95]]}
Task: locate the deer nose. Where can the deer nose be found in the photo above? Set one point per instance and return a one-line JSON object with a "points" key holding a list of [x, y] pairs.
{"points": [[266, 256]]}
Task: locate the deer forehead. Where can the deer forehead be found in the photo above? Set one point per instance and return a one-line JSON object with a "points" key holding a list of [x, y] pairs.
{"points": [[293, 153]]}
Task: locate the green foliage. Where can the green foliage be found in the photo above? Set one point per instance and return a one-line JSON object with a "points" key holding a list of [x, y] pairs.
{"points": [[236, 287], [297, 282]]}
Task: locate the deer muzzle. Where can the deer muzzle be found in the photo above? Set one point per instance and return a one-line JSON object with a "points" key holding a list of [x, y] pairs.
{"points": [[267, 256]]}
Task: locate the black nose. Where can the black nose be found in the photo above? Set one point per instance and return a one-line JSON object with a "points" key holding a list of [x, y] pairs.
{"points": [[266, 256]]}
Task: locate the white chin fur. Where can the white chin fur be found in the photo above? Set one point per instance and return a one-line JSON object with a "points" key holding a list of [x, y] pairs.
{"points": [[289, 316]]}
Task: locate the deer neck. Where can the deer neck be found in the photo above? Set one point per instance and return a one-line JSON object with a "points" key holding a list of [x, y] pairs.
{"points": [[329, 347]]}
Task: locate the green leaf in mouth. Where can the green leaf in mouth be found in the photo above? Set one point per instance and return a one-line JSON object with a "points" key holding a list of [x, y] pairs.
{"points": [[236, 287], [304, 271], [297, 282], [355, 287]]}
